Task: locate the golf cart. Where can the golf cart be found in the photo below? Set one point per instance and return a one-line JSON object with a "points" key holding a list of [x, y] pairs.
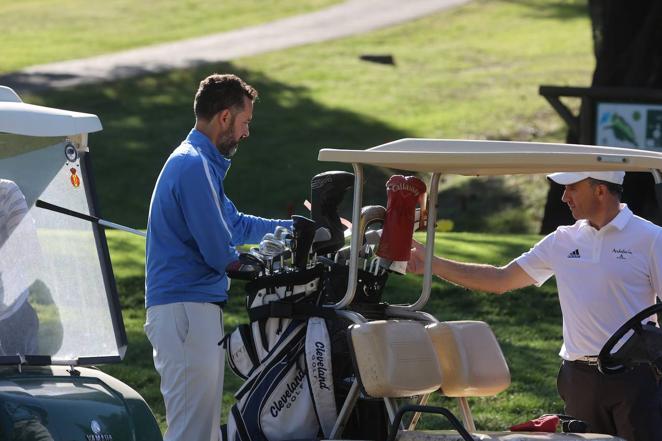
{"points": [[396, 351], [469, 358], [59, 309]]}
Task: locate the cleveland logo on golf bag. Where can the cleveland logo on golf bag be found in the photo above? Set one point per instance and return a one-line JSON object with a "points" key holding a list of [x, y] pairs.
{"points": [[319, 365], [292, 390]]}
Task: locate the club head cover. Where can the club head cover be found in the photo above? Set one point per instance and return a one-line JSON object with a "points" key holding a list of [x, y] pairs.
{"points": [[303, 230], [403, 193], [326, 193]]}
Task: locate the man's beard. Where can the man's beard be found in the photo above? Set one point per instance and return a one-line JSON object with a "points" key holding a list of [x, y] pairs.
{"points": [[228, 145]]}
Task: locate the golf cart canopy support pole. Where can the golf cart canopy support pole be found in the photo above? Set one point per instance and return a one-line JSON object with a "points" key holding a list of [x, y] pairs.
{"points": [[354, 240], [657, 177], [429, 244]]}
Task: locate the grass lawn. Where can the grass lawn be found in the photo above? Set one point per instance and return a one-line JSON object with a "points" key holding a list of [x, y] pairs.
{"points": [[42, 31], [526, 323], [472, 72]]}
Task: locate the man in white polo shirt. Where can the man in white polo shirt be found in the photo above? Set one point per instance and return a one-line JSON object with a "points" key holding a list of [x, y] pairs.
{"points": [[608, 267]]}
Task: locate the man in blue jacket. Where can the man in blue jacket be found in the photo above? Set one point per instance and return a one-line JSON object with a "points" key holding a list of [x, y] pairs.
{"points": [[192, 231]]}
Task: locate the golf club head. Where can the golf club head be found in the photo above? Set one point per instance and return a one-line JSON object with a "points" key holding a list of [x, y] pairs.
{"points": [[371, 216], [247, 267], [304, 232], [255, 253], [271, 247], [322, 234], [342, 255], [281, 233], [371, 237], [326, 192]]}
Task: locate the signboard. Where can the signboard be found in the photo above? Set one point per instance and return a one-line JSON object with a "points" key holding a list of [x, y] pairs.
{"points": [[629, 125]]}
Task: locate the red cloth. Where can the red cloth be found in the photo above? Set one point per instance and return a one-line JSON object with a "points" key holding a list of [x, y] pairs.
{"points": [[545, 423]]}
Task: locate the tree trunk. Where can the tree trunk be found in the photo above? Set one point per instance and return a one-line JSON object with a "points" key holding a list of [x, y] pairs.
{"points": [[627, 42]]}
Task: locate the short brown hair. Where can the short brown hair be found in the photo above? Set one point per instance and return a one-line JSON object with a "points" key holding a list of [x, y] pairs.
{"points": [[613, 188], [219, 92]]}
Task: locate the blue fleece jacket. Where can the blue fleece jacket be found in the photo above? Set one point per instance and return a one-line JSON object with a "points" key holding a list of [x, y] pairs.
{"points": [[193, 227]]}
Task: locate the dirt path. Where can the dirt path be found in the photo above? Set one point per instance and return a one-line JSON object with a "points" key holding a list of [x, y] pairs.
{"points": [[341, 20]]}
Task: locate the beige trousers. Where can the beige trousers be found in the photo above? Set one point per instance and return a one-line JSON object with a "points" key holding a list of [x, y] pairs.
{"points": [[188, 358]]}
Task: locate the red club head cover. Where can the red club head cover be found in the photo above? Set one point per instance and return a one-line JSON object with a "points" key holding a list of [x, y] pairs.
{"points": [[403, 194]]}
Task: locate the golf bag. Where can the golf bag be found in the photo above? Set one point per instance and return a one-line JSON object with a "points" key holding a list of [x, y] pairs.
{"points": [[294, 358], [285, 358]]}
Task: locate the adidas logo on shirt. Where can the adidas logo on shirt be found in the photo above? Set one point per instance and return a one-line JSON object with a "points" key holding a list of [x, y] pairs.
{"points": [[574, 255]]}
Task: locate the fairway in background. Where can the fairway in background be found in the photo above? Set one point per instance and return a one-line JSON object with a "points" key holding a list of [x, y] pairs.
{"points": [[471, 72], [43, 31]]}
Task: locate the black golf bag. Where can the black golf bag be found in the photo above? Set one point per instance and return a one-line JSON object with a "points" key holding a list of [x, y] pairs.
{"points": [[294, 358]]}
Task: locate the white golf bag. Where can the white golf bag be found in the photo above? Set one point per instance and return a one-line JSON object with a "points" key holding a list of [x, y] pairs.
{"points": [[284, 356]]}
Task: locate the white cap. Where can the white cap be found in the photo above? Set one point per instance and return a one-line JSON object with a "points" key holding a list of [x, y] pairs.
{"points": [[567, 178]]}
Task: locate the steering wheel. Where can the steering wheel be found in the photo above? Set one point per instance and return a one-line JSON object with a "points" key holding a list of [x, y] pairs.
{"points": [[634, 350]]}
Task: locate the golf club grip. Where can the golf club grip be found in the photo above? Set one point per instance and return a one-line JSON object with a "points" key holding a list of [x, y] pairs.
{"points": [[58, 209]]}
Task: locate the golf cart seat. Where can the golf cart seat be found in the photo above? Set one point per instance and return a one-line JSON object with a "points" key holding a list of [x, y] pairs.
{"points": [[472, 365], [404, 358], [394, 358]]}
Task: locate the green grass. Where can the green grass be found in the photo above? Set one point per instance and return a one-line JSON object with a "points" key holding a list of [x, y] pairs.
{"points": [[472, 72], [526, 323], [42, 31]]}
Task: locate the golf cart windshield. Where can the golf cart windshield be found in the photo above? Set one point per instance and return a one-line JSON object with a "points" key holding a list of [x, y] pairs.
{"points": [[58, 303]]}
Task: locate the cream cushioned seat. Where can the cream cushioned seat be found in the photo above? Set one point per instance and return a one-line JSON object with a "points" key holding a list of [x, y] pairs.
{"points": [[403, 358], [394, 358], [471, 361]]}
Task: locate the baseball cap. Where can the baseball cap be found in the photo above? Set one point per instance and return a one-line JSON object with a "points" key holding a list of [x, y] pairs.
{"points": [[567, 178]]}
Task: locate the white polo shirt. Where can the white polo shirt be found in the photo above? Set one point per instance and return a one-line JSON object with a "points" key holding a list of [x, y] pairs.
{"points": [[604, 277]]}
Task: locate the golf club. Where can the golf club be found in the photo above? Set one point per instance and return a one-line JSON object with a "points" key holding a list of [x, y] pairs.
{"points": [[370, 216], [48, 206]]}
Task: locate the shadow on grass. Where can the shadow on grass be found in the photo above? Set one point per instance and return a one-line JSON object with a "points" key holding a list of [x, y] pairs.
{"points": [[472, 204], [146, 117], [492, 249], [556, 9]]}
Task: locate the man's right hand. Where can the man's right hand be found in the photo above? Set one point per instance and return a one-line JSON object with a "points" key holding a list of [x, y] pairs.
{"points": [[416, 258], [475, 276]]}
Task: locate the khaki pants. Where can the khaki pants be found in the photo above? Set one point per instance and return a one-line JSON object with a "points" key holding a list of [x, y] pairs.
{"points": [[188, 358]]}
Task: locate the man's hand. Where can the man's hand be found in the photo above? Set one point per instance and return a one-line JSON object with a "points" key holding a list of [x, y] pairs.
{"points": [[475, 276], [416, 258]]}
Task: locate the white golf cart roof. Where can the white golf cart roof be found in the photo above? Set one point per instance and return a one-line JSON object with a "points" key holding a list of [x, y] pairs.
{"points": [[474, 158], [20, 118], [483, 158]]}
